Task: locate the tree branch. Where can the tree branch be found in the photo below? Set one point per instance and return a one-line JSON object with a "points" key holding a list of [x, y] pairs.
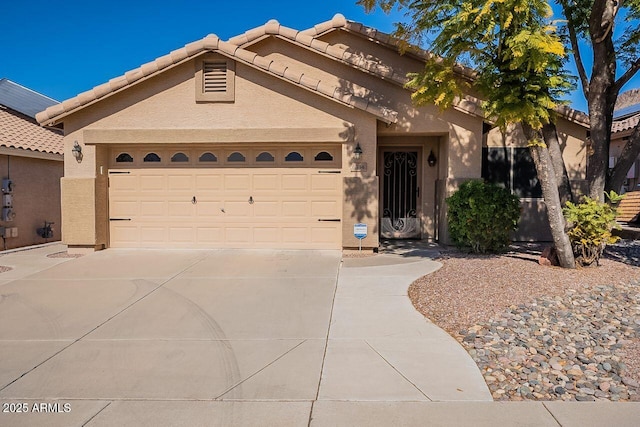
{"points": [[628, 155], [576, 55], [633, 69]]}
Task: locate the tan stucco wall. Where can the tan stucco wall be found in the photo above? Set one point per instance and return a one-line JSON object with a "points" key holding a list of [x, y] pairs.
{"points": [[36, 198]]}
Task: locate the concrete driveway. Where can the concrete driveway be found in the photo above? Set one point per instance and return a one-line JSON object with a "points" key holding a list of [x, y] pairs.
{"points": [[218, 337]]}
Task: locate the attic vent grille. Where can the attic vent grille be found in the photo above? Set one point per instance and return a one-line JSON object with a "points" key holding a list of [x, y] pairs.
{"points": [[214, 77]]}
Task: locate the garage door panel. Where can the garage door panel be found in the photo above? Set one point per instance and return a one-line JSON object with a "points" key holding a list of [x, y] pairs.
{"points": [[181, 234], [209, 182], [294, 209], [237, 208], [152, 183], [124, 208], [295, 234], [208, 209], [263, 209], [266, 235], [234, 234], [266, 182], [124, 182], [180, 209], [153, 209], [210, 235], [153, 234], [287, 206], [124, 234], [295, 182], [237, 182], [180, 182]]}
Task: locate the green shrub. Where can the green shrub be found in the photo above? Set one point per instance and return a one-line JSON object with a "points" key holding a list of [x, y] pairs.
{"points": [[590, 223], [482, 216]]}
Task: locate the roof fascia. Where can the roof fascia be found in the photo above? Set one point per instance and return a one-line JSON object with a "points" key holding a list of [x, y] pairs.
{"points": [[21, 152]]}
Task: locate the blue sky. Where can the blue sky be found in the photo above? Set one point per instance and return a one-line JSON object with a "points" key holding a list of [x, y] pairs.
{"points": [[64, 48]]}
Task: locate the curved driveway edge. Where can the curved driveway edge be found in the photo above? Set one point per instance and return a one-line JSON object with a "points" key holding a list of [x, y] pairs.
{"points": [[381, 349]]}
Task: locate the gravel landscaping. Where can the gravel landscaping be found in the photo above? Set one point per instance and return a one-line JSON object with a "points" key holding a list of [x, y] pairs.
{"points": [[542, 333]]}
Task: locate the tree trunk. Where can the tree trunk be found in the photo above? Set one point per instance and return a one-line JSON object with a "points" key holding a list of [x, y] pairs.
{"points": [[547, 178], [601, 117], [550, 134], [629, 155], [602, 97]]}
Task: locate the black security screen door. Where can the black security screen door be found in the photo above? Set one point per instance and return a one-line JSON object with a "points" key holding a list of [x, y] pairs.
{"points": [[400, 192]]}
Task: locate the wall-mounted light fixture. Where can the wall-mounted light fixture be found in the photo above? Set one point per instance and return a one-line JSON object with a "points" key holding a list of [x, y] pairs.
{"points": [[432, 160], [357, 152], [77, 151]]}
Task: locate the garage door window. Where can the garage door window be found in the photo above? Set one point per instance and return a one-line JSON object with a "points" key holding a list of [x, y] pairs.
{"points": [[265, 157], [323, 156], [179, 158], [151, 157], [294, 156], [208, 157], [124, 158], [236, 156]]}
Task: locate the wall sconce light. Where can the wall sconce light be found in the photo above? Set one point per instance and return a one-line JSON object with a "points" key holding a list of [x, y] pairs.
{"points": [[357, 152], [432, 160], [77, 151]]}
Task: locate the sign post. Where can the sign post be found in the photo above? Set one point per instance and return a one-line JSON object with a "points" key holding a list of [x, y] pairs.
{"points": [[360, 231]]}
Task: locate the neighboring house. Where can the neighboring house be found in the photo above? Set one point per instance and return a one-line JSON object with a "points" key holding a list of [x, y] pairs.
{"points": [[280, 138], [626, 117], [30, 168]]}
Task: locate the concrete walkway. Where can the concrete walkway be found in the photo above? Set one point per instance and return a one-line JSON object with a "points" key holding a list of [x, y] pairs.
{"points": [[281, 338]]}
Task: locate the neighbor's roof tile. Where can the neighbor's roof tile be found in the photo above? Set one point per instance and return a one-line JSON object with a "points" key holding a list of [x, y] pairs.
{"points": [[20, 131], [625, 124]]}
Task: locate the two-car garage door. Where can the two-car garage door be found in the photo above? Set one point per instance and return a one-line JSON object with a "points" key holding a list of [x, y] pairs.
{"points": [[225, 207]]}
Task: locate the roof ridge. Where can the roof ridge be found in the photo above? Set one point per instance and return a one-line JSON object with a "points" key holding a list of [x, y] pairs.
{"points": [[273, 27], [214, 43]]}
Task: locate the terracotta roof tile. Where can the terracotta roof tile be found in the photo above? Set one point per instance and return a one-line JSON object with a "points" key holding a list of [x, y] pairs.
{"points": [[20, 131], [625, 124], [212, 43]]}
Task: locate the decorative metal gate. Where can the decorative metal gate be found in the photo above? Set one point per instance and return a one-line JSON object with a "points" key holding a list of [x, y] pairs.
{"points": [[400, 193]]}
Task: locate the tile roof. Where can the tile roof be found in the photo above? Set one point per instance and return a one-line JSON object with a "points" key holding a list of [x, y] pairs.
{"points": [[22, 99], [308, 39], [625, 124], [212, 43], [353, 59], [18, 130]]}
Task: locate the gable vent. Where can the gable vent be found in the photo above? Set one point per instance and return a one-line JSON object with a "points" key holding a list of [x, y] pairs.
{"points": [[214, 77]]}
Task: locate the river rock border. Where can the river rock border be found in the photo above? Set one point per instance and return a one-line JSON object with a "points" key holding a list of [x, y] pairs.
{"points": [[561, 348]]}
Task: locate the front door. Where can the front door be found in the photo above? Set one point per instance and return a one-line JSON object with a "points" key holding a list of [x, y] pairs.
{"points": [[400, 194]]}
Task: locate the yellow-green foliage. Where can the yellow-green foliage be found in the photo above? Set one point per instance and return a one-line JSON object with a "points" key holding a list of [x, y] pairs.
{"points": [[512, 47], [590, 228]]}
